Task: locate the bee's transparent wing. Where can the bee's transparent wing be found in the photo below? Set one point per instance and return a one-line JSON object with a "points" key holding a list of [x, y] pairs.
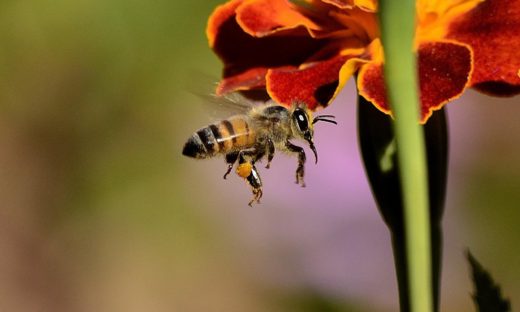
{"points": [[219, 107], [232, 103]]}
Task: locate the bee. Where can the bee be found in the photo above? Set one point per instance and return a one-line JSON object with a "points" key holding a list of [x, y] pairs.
{"points": [[248, 138]]}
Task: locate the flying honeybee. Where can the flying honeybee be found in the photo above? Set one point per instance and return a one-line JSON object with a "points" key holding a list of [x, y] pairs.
{"points": [[255, 134]]}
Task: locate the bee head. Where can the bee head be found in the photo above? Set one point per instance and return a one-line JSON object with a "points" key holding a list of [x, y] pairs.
{"points": [[303, 127]]}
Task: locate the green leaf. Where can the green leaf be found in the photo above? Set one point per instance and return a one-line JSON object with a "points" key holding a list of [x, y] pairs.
{"points": [[487, 294], [377, 143]]}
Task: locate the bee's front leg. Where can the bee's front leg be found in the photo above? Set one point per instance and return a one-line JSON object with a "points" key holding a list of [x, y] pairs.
{"points": [[231, 158], [270, 152], [300, 171]]}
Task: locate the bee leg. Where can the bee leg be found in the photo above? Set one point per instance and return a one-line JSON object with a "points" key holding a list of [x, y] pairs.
{"points": [[231, 158], [256, 185], [300, 171], [270, 153], [252, 154], [246, 161], [247, 170]]}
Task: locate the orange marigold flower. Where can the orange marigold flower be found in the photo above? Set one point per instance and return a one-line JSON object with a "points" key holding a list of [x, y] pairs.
{"points": [[308, 49]]}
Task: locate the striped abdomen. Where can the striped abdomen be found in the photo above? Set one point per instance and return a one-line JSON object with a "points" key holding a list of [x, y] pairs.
{"points": [[222, 138]]}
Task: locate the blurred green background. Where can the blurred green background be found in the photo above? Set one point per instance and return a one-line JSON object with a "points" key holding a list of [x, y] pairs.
{"points": [[99, 211]]}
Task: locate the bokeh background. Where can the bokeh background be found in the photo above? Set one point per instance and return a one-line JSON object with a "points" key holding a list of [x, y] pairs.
{"points": [[99, 211]]}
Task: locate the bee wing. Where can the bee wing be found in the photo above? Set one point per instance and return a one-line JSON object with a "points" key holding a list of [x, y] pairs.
{"points": [[220, 107], [203, 86], [233, 102]]}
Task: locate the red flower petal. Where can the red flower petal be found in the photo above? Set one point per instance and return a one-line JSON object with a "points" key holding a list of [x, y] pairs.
{"points": [[221, 14], [250, 79], [315, 84], [372, 87], [262, 17], [444, 70], [244, 54], [492, 29]]}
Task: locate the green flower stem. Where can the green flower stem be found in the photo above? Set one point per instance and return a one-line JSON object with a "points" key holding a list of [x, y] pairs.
{"points": [[397, 20]]}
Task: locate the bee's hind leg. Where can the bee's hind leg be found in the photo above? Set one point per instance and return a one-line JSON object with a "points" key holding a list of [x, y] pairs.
{"points": [[256, 185], [247, 158], [231, 158], [247, 170], [300, 171]]}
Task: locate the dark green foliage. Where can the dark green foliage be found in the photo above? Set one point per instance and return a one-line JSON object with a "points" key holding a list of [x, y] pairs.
{"points": [[378, 149], [487, 294]]}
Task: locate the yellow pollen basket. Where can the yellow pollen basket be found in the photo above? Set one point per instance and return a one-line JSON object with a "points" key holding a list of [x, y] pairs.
{"points": [[244, 170]]}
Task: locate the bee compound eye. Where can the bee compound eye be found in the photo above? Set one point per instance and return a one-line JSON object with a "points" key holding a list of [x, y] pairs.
{"points": [[301, 120]]}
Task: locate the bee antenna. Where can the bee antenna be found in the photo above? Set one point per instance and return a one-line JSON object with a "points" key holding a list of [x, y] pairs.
{"points": [[323, 119], [328, 116]]}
